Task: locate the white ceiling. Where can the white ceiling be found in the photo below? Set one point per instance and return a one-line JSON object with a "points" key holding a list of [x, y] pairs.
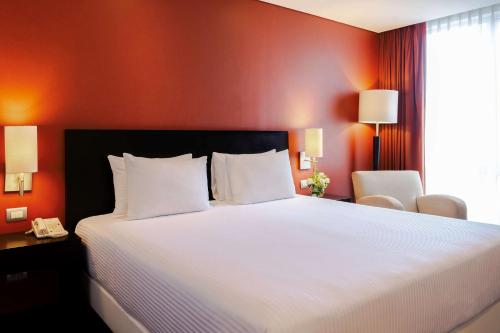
{"points": [[382, 15]]}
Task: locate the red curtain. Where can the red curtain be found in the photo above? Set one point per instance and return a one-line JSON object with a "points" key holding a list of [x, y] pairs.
{"points": [[402, 68]]}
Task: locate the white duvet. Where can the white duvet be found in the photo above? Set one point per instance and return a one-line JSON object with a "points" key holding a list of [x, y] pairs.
{"points": [[296, 265]]}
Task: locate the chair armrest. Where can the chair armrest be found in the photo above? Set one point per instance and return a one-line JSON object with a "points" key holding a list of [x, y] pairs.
{"points": [[442, 205], [383, 201]]}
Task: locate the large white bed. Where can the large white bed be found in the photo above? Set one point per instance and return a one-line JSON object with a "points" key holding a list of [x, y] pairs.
{"points": [[296, 265]]}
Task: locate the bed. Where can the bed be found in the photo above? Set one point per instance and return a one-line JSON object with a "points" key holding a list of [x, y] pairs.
{"points": [[295, 265]]}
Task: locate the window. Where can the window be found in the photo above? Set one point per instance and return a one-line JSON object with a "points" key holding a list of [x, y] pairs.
{"points": [[462, 125]]}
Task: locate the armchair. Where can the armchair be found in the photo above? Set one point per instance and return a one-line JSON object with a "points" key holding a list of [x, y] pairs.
{"points": [[403, 190]]}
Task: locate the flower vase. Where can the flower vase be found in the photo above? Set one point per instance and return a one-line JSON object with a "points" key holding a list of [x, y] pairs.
{"points": [[318, 193], [318, 183]]}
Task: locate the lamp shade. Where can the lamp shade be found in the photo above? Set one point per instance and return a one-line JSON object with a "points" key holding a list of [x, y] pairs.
{"points": [[21, 153], [378, 106], [314, 142]]}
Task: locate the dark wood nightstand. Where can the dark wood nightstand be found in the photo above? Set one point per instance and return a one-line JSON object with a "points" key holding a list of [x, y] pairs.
{"points": [[344, 198], [41, 283]]}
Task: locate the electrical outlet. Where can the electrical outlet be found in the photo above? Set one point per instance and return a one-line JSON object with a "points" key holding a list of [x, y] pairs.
{"points": [[303, 183], [17, 214]]}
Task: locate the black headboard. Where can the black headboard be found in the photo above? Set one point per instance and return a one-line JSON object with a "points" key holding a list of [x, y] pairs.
{"points": [[89, 181]]}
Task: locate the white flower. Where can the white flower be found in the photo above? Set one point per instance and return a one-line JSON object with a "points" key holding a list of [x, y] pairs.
{"points": [[318, 182]]}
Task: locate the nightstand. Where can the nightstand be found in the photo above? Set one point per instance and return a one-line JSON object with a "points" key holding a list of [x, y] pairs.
{"points": [[344, 198], [40, 279]]}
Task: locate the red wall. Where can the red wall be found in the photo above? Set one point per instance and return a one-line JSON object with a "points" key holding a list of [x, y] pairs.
{"points": [[198, 64]]}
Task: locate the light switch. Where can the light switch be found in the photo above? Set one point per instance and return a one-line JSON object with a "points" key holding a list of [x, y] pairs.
{"points": [[303, 183], [17, 214]]}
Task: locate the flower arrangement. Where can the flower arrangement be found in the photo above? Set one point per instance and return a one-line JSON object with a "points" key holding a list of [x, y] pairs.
{"points": [[318, 183]]}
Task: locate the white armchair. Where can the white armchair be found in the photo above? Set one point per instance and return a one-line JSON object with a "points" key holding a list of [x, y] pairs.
{"points": [[403, 190]]}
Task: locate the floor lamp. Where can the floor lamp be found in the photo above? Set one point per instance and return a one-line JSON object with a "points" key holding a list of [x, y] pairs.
{"points": [[378, 107]]}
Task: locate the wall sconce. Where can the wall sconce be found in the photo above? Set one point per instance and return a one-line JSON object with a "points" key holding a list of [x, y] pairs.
{"points": [[304, 161], [314, 149], [21, 157], [314, 145]]}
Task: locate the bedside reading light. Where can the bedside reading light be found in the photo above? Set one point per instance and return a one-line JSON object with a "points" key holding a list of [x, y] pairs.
{"points": [[21, 157], [314, 145]]}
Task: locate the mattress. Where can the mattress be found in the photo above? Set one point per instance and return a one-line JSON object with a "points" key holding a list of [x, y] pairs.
{"points": [[296, 265]]}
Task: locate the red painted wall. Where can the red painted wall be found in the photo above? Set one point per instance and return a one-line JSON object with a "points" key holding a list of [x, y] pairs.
{"points": [[198, 64]]}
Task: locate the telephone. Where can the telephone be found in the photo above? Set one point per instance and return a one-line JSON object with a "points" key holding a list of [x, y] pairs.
{"points": [[43, 228]]}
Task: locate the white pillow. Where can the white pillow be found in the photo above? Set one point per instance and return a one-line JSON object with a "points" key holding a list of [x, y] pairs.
{"points": [[165, 187], [120, 181], [260, 178], [220, 182]]}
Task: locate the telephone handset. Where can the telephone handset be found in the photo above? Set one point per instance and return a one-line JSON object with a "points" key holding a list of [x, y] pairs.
{"points": [[47, 228]]}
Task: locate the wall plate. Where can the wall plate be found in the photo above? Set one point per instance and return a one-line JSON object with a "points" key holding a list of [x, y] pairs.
{"points": [[16, 214], [305, 162], [12, 184]]}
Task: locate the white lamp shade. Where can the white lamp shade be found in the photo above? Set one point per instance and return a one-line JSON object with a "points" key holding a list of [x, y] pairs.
{"points": [[314, 142], [378, 106], [21, 153]]}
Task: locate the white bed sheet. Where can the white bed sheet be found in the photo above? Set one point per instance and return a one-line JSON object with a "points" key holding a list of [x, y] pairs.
{"points": [[296, 265]]}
